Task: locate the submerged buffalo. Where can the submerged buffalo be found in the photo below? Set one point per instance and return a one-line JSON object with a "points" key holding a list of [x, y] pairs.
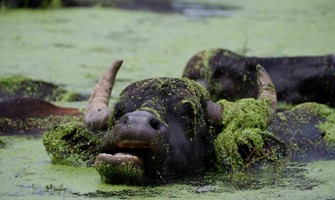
{"points": [[27, 115], [228, 75], [167, 127], [161, 127]]}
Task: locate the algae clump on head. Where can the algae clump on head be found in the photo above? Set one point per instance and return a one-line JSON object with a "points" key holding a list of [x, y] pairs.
{"points": [[72, 144], [245, 122]]}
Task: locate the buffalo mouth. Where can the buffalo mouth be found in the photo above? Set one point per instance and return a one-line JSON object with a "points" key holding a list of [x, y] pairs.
{"points": [[123, 162]]}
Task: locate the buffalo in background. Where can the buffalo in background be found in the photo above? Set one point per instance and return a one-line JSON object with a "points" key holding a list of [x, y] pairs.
{"points": [[227, 75]]}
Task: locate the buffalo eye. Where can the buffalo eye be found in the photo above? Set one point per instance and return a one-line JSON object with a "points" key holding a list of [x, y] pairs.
{"points": [[187, 110]]}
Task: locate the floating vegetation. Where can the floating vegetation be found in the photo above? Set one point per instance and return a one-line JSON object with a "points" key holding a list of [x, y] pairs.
{"points": [[72, 144]]}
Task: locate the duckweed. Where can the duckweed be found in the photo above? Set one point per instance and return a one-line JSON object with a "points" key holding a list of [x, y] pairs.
{"points": [[245, 122], [125, 173], [71, 144]]}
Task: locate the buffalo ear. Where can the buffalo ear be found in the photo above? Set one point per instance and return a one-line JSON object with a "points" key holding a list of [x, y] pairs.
{"points": [[203, 83], [214, 111]]}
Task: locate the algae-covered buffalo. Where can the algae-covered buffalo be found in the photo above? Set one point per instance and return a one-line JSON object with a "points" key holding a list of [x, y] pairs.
{"points": [[228, 75], [168, 127], [160, 128]]}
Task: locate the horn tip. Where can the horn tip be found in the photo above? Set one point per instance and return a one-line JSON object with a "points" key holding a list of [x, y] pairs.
{"points": [[260, 69], [117, 64]]}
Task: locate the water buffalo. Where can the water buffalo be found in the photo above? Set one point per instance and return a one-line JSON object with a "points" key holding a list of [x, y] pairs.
{"points": [[26, 115], [228, 75], [159, 128]]}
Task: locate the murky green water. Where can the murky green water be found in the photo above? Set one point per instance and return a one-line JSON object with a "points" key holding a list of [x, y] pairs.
{"points": [[73, 47], [26, 173]]}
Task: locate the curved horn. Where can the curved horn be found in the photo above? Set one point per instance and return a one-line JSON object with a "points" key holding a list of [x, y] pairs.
{"points": [[97, 112], [266, 88]]}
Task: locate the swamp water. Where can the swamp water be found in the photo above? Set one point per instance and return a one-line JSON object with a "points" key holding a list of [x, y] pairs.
{"points": [[26, 173], [72, 47]]}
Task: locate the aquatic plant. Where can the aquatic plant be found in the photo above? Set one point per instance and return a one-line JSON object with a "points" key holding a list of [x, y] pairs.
{"points": [[245, 123], [71, 144], [124, 173]]}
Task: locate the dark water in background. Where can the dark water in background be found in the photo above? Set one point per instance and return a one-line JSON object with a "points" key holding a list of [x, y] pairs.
{"points": [[211, 8]]}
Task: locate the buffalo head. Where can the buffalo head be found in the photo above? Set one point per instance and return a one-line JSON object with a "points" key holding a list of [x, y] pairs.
{"points": [[158, 128]]}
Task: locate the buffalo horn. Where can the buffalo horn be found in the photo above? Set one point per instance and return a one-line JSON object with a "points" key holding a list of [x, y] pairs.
{"points": [[266, 89], [97, 112]]}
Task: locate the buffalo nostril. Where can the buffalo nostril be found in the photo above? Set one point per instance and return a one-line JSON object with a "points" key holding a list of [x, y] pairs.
{"points": [[124, 120], [155, 124]]}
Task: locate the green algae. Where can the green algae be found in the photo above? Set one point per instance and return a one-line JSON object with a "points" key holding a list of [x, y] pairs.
{"points": [[23, 86], [29, 174], [326, 112], [245, 122], [125, 173], [71, 144]]}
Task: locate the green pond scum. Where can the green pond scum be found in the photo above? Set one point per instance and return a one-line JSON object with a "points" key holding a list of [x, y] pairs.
{"points": [[35, 178], [245, 122], [120, 174]]}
